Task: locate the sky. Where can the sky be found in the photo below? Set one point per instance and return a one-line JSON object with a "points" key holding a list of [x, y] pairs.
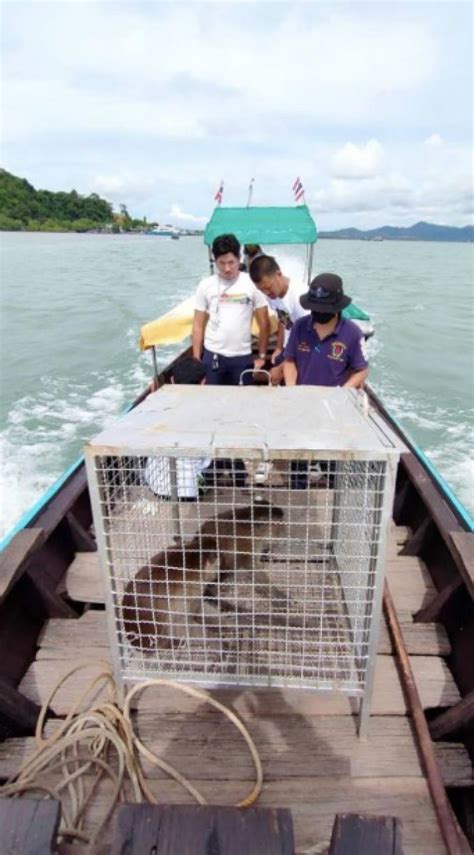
{"points": [[151, 104]]}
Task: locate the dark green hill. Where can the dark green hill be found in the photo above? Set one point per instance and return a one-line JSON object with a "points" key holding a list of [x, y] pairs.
{"points": [[420, 231], [24, 208]]}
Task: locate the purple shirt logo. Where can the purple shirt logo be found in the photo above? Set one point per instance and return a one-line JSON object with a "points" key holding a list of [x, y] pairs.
{"points": [[337, 350]]}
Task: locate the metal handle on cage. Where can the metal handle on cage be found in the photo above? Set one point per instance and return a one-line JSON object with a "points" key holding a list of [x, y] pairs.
{"points": [[253, 371], [263, 469]]}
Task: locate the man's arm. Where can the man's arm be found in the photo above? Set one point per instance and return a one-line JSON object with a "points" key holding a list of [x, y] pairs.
{"points": [[263, 321], [199, 327], [358, 364], [357, 379], [280, 338], [290, 372]]}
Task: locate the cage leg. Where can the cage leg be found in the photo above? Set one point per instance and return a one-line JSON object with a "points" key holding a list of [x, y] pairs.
{"points": [[120, 688], [363, 718]]}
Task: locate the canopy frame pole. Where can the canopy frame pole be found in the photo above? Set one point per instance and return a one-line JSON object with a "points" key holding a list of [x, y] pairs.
{"points": [[155, 366], [249, 199], [310, 262], [211, 260]]}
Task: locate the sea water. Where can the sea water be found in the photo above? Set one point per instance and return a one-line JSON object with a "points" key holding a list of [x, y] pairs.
{"points": [[72, 307]]}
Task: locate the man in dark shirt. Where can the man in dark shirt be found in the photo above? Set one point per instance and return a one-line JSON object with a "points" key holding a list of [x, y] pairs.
{"points": [[325, 349]]}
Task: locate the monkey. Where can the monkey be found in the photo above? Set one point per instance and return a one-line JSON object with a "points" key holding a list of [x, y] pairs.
{"points": [[170, 584], [168, 593], [238, 543], [240, 533]]}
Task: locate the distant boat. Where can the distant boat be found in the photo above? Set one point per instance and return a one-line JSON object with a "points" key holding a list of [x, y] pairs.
{"points": [[171, 233]]}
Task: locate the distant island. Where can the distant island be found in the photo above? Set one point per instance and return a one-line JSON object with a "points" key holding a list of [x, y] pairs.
{"points": [[420, 231], [22, 208]]}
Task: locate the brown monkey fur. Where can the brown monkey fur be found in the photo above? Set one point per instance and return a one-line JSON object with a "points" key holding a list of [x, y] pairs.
{"points": [[167, 593]]}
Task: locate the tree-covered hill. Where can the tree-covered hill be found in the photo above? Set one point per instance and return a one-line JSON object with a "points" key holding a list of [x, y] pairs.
{"points": [[24, 208]]}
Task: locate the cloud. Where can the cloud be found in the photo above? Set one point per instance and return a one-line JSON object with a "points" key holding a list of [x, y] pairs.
{"points": [[124, 185], [407, 188], [352, 197], [446, 199], [176, 213], [434, 140], [354, 161]]}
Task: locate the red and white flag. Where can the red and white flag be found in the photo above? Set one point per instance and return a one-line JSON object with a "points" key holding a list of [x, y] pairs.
{"points": [[298, 190], [219, 194]]}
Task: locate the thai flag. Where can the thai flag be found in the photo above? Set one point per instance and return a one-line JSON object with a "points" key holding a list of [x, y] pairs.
{"points": [[219, 194], [298, 190]]}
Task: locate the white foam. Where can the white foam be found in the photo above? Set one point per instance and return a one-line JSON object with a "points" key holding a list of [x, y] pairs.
{"points": [[445, 435], [27, 472], [291, 266], [46, 432], [457, 468]]}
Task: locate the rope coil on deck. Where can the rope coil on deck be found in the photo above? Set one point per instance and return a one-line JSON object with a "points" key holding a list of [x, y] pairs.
{"points": [[104, 727]]}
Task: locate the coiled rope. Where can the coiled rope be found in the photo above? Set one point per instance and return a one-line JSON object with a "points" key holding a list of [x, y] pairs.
{"points": [[83, 741]]}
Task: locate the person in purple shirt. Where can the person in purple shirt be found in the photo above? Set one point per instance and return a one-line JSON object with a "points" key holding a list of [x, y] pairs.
{"points": [[325, 349]]}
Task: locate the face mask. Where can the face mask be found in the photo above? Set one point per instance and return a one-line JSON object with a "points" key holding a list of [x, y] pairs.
{"points": [[322, 317]]}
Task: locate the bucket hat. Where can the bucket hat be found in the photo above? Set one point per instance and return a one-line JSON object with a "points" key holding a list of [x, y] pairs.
{"points": [[325, 294]]}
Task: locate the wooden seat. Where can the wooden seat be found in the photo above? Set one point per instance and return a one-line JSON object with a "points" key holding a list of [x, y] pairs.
{"points": [[29, 826], [202, 829], [354, 834]]}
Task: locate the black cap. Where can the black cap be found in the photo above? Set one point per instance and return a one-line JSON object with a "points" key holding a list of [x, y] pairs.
{"points": [[325, 294]]}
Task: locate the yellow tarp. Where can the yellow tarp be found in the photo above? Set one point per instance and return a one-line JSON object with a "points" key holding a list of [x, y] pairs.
{"points": [[176, 325], [170, 328]]}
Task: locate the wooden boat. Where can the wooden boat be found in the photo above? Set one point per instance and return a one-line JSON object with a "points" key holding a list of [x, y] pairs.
{"points": [[420, 739]]}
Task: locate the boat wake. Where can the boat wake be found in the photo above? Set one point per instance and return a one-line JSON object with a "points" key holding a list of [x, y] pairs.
{"points": [[46, 432], [444, 434]]}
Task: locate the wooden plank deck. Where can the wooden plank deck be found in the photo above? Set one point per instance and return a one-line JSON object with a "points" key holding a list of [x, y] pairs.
{"points": [[435, 684], [313, 761], [200, 741], [59, 640]]}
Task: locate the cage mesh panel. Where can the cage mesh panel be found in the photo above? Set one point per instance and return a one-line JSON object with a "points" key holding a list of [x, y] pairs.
{"points": [[357, 532], [262, 596]]}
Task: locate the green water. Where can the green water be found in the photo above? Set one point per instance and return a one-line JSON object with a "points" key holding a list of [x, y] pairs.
{"points": [[72, 307]]}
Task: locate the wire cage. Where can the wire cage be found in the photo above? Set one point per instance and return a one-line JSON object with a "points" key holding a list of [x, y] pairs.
{"points": [[242, 535]]}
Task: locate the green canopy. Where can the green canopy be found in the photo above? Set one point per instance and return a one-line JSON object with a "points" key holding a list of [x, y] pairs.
{"points": [[263, 225], [353, 313]]}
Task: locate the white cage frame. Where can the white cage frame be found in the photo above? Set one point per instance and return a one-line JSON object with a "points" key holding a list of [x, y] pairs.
{"points": [[349, 577]]}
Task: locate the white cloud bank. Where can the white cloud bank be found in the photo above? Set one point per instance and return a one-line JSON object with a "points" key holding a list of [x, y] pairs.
{"points": [[151, 104], [396, 186], [121, 69]]}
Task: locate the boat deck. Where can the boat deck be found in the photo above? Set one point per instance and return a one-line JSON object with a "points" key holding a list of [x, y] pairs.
{"points": [[312, 759]]}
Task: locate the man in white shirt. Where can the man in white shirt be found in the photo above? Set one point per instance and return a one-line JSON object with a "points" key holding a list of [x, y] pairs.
{"points": [[224, 308], [283, 295]]}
